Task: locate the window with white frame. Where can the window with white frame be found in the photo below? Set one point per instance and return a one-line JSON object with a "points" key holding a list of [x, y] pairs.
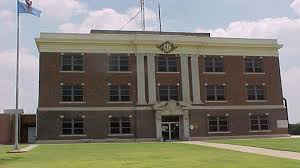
{"points": [[119, 63], [218, 124], [119, 93], [214, 64], [72, 93], [259, 122], [215, 93], [167, 64], [256, 92], [120, 125], [73, 126], [254, 64], [168, 92], [72, 63]]}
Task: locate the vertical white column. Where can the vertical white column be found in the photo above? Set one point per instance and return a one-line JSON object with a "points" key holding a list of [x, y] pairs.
{"points": [[185, 78], [151, 78], [195, 80], [140, 72]]}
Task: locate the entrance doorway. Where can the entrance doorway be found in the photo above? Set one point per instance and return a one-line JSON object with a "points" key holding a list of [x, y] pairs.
{"points": [[170, 128]]}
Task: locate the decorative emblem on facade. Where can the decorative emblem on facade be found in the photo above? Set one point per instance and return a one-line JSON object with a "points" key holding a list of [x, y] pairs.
{"points": [[171, 107], [167, 47]]}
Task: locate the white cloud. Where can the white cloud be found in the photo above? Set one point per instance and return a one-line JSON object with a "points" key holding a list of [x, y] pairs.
{"points": [[284, 29], [61, 10], [28, 80], [108, 19], [296, 6], [7, 19], [291, 80]]}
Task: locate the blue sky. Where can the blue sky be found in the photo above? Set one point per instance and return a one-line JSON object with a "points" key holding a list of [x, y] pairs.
{"points": [[223, 18]]}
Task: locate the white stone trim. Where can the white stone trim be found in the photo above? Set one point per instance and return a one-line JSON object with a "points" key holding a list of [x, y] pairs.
{"points": [[185, 81], [237, 107], [146, 43], [151, 78], [195, 80], [140, 73]]}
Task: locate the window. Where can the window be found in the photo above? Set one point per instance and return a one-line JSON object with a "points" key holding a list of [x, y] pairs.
{"points": [[215, 93], [120, 125], [118, 63], [214, 64], [71, 63], [167, 64], [254, 64], [218, 124], [72, 93], [73, 127], [259, 122], [256, 92], [167, 93], [119, 93]]}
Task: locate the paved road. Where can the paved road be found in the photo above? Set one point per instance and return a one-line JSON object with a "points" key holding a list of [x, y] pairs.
{"points": [[260, 151]]}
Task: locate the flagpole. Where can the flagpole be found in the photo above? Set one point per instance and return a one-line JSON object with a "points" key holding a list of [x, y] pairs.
{"points": [[16, 146]]}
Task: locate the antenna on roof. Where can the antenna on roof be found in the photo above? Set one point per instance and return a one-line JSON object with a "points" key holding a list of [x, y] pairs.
{"points": [[159, 16], [143, 14]]}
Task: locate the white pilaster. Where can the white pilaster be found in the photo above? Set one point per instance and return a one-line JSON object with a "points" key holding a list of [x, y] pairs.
{"points": [[186, 125], [195, 80], [158, 125], [151, 78], [140, 72], [185, 78]]}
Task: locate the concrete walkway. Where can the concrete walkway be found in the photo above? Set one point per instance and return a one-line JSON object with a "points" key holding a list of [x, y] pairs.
{"points": [[260, 151], [26, 149]]}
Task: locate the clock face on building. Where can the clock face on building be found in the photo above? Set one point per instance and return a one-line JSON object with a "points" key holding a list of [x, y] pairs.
{"points": [[167, 47]]}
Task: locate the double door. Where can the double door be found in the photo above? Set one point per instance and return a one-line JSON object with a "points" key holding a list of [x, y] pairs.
{"points": [[170, 130]]}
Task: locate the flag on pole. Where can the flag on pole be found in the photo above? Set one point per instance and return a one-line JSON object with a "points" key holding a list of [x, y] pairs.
{"points": [[27, 8]]}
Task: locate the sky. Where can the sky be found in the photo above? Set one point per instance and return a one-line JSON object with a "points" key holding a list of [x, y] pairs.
{"points": [[278, 19]]}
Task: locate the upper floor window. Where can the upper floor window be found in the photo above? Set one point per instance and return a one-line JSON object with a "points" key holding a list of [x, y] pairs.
{"points": [[256, 92], [167, 64], [214, 64], [120, 125], [254, 64], [259, 122], [168, 92], [119, 63], [72, 93], [72, 63], [73, 126], [218, 124], [119, 93], [215, 93]]}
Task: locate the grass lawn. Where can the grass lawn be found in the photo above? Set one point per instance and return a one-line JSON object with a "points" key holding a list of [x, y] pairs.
{"points": [[286, 144], [146, 155]]}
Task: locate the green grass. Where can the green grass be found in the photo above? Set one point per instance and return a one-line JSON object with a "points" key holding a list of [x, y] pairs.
{"points": [[285, 144], [147, 155]]}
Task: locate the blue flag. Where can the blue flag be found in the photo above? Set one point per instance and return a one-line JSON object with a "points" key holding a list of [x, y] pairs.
{"points": [[27, 8]]}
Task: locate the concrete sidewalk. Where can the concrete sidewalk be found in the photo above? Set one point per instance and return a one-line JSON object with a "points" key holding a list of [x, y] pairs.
{"points": [[259, 151], [26, 149]]}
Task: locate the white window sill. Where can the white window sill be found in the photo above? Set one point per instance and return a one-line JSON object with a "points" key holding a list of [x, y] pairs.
{"points": [[62, 102], [119, 72], [217, 101], [254, 73], [72, 71], [73, 135], [168, 72], [214, 73], [120, 102], [256, 101], [118, 135], [261, 131], [228, 132]]}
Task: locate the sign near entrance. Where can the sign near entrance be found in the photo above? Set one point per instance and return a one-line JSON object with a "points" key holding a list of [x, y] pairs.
{"points": [[167, 47]]}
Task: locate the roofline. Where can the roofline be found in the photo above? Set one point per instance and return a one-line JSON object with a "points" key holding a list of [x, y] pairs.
{"points": [[150, 32]]}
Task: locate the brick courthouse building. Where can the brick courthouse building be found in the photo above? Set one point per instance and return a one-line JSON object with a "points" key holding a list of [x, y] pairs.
{"points": [[151, 85]]}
